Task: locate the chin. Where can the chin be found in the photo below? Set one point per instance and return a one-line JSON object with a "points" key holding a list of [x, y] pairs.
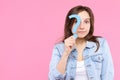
{"points": [[81, 36]]}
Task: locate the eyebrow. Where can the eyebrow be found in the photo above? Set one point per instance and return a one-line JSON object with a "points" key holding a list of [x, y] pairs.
{"points": [[86, 19]]}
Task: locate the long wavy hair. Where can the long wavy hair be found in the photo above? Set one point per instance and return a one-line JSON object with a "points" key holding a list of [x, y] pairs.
{"points": [[69, 23]]}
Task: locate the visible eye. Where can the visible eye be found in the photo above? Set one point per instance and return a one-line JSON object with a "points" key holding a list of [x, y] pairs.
{"points": [[87, 22]]}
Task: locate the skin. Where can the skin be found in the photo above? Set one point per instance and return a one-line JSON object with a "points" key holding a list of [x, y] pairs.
{"points": [[84, 26], [79, 43]]}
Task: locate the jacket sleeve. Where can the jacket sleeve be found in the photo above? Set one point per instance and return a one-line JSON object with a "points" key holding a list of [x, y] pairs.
{"points": [[54, 74], [107, 65]]}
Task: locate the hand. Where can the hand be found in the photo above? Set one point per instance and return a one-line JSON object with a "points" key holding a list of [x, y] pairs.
{"points": [[69, 43]]}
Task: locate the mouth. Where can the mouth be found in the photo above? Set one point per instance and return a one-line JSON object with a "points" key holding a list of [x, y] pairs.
{"points": [[81, 32]]}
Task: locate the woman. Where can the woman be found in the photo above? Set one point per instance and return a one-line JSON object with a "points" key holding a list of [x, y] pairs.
{"points": [[86, 58]]}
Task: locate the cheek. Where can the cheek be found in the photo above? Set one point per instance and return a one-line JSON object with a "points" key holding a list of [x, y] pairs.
{"points": [[88, 27]]}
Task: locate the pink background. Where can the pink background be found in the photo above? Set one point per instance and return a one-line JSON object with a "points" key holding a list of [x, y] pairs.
{"points": [[29, 29]]}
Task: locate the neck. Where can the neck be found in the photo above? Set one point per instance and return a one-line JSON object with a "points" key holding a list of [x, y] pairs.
{"points": [[80, 44], [80, 41]]}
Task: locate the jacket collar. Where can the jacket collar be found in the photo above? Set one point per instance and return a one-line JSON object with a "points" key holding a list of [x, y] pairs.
{"points": [[90, 44]]}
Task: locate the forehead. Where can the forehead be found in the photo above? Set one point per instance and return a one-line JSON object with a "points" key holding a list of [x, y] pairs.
{"points": [[84, 15]]}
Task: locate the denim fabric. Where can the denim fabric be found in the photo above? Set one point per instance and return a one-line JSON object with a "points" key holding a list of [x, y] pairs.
{"points": [[99, 64]]}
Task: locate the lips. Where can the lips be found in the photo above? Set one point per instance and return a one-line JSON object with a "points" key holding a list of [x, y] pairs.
{"points": [[81, 32]]}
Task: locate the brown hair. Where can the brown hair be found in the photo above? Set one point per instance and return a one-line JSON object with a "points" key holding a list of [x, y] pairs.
{"points": [[69, 23]]}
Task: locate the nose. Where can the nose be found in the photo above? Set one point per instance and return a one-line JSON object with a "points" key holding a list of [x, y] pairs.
{"points": [[81, 26]]}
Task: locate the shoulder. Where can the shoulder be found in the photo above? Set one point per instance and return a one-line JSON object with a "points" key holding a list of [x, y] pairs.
{"points": [[59, 47], [102, 41]]}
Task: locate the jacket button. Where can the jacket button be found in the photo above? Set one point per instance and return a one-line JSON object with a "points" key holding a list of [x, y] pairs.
{"points": [[91, 78], [71, 78], [86, 56], [88, 65]]}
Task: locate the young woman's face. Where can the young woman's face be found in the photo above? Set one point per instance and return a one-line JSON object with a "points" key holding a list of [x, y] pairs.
{"points": [[84, 26]]}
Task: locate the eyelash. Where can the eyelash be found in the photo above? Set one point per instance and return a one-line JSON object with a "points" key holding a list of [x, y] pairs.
{"points": [[84, 22], [87, 22]]}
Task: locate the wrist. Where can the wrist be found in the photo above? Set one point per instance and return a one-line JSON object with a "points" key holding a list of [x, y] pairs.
{"points": [[65, 54]]}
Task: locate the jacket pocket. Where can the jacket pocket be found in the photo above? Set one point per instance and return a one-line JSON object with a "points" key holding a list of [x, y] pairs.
{"points": [[97, 58], [97, 61]]}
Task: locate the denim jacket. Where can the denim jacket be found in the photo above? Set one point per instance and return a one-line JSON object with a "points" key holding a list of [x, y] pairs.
{"points": [[99, 65]]}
